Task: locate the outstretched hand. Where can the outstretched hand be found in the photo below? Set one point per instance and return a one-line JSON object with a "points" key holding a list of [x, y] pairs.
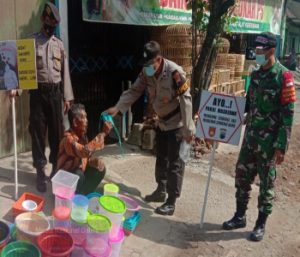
{"points": [[107, 127], [113, 111]]}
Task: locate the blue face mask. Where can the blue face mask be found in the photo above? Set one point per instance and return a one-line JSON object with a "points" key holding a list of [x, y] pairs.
{"points": [[149, 70], [261, 59]]}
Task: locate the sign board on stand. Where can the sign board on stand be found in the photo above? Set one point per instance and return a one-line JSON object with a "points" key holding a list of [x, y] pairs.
{"points": [[220, 120], [17, 64], [17, 71]]}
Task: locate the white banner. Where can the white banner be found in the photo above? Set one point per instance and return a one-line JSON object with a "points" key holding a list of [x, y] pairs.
{"points": [[220, 117]]}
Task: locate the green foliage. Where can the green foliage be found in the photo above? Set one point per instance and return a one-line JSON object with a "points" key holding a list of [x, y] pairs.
{"points": [[201, 14]]}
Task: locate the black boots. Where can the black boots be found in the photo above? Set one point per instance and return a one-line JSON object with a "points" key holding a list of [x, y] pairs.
{"points": [[167, 208], [238, 221], [259, 229], [239, 218], [159, 195]]}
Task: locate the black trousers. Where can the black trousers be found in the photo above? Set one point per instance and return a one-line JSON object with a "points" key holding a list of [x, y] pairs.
{"points": [[88, 180], [45, 115], [169, 168]]}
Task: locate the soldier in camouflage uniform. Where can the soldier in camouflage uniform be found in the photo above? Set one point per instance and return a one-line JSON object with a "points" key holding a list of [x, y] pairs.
{"points": [[270, 110]]}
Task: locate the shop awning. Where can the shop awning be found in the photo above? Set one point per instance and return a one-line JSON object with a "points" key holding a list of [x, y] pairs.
{"points": [[255, 16], [137, 12]]}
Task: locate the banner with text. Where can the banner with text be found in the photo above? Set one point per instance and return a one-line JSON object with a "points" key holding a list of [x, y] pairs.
{"points": [[220, 117], [17, 64], [137, 12], [256, 16]]}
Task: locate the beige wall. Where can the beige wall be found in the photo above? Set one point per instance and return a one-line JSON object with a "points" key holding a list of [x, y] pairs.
{"points": [[18, 19]]}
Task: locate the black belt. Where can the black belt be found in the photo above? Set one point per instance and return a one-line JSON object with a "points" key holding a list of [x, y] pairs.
{"points": [[49, 87], [171, 114]]}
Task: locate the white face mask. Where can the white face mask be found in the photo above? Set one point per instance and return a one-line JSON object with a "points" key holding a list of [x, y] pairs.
{"points": [[261, 59]]}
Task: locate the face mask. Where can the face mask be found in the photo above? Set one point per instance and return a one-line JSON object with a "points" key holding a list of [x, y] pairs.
{"points": [[149, 70], [261, 59], [49, 29]]}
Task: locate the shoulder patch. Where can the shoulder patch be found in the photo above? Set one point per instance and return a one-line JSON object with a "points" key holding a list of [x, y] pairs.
{"points": [[180, 83], [288, 93]]}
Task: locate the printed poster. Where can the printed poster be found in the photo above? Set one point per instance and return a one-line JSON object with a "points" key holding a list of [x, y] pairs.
{"points": [[220, 117], [18, 65]]}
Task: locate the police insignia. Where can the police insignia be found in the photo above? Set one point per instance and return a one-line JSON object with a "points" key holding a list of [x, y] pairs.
{"points": [[288, 93], [181, 85]]}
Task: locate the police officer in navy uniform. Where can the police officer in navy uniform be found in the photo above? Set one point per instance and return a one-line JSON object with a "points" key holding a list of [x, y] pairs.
{"points": [[170, 96], [54, 86]]}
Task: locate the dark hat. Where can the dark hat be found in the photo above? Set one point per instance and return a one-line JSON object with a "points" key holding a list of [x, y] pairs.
{"points": [[151, 50], [52, 11], [266, 40]]}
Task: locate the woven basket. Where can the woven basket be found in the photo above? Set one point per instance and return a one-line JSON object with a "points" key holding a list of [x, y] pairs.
{"points": [[176, 44], [213, 88], [223, 76], [215, 77], [221, 59], [240, 85]]}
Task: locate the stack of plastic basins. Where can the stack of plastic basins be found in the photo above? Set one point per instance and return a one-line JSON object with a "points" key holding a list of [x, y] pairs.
{"points": [[30, 225], [55, 243], [97, 240], [20, 249]]}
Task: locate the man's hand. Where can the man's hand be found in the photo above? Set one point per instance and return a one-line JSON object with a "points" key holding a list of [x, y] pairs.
{"points": [[278, 156], [97, 163], [100, 140], [67, 105], [113, 111], [12, 94], [107, 127]]}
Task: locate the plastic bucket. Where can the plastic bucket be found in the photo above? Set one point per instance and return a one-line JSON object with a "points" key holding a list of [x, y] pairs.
{"points": [[116, 243], [131, 205], [4, 234], [98, 233], [80, 205], [55, 243], [78, 232], [30, 225], [94, 202], [105, 253], [111, 189], [113, 208], [20, 249], [61, 215]]}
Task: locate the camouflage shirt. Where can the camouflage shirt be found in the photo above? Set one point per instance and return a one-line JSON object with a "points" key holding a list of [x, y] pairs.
{"points": [[270, 105]]}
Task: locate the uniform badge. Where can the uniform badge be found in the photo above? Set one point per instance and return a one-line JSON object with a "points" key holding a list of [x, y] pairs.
{"points": [[288, 93]]}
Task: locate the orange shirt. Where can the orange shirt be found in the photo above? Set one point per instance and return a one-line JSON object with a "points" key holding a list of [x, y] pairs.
{"points": [[75, 152]]}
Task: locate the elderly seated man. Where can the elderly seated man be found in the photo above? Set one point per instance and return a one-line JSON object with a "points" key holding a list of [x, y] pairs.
{"points": [[75, 152]]}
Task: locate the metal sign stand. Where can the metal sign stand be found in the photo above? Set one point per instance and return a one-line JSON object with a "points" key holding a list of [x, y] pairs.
{"points": [[13, 104], [211, 164]]}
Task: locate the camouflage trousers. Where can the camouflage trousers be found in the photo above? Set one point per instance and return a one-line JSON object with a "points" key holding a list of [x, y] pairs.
{"points": [[256, 158]]}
